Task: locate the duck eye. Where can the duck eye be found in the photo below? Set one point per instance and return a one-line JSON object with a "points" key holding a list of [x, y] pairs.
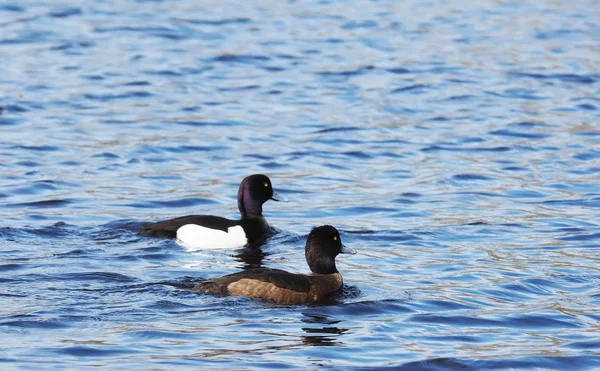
{"points": [[266, 184], [335, 238]]}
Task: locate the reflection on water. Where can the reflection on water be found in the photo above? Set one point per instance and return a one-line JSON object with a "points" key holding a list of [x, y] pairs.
{"points": [[251, 257], [323, 332]]}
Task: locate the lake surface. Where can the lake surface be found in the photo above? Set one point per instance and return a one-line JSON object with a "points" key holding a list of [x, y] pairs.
{"points": [[455, 145]]}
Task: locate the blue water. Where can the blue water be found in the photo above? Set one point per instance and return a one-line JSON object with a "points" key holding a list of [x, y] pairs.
{"points": [[456, 145]]}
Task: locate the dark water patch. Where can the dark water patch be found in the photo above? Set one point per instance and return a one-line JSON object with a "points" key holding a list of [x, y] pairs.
{"points": [[455, 338], [468, 140], [44, 203], [273, 68], [88, 351], [358, 154], [34, 188], [65, 13], [133, 83], [399, 110], [168, 306], [240, 88], [591, 170], [192, 149], [76, 253], [564, 77], [10, 267], [156, 257], [528, 125], [225, 123], [514, 168], [105, 277], [469, 177], [11, 8], [518, 93], [121, 230], [525, 193], [581, 237], [347, 73], [273, 165], [587, 156], [438, 148], [440, 305], [182, 202], [217, 22], [240, 58], [28, 164], [409, 214], [517, 134], [93, 77], [580, 188], [352, 25], [460, 98], [339, 129], [534, 362], [403, 201], [106, 155], [13, 108], [398, 71], [33, 322], [147, 30], [258, 156], [587, 345], [44, 148], [111, 97], [167, 73], [532, 287], [586, 107], [160, 335], [72, 46], [414, 89]]}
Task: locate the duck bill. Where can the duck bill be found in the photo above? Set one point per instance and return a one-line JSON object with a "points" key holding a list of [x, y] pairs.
{"points": [[347, 250], [278, 197]]}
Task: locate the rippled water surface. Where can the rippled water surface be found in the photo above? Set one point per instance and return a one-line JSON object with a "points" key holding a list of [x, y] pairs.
{"points": [[456, 145]]}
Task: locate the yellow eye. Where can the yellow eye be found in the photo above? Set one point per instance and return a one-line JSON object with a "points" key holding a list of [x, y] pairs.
{"points": [[335, 238], [266, 184]]}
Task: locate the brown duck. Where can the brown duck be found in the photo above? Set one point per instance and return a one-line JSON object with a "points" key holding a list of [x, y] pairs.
{"points": [[276, 285]]}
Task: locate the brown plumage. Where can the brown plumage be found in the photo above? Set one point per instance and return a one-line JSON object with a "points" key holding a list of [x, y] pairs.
{"points": [[322, 246]]}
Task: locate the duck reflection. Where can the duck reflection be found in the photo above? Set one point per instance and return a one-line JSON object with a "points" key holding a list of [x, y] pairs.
{"points": [[251, 257], [324, 332]]}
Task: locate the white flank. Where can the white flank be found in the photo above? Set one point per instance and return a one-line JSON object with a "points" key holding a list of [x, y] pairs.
{"points": [[197, 237]]}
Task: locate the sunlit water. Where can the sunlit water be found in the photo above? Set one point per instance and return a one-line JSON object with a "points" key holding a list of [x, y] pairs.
{"points": [[456, 145]]}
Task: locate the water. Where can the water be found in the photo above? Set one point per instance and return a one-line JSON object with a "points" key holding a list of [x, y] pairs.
{"points": [[455, 145]]}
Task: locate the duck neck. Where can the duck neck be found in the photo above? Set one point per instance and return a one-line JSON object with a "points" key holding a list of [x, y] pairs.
{"points": [[249, 210], [322, 266], [247, 205]]}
